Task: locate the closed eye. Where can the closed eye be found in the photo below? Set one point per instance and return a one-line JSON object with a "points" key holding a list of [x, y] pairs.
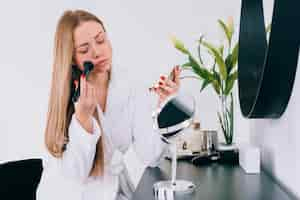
{"points": [[83, 50]]}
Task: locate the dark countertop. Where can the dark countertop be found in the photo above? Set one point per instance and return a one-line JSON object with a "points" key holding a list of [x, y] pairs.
{"points": [[214, 181]]}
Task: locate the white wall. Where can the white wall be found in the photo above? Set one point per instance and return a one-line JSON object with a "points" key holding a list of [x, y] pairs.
{"points": [[279, 139], [139, 31]]}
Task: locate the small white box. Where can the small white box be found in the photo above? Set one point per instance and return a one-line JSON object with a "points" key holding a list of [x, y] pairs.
{"points": [[249, 159]]}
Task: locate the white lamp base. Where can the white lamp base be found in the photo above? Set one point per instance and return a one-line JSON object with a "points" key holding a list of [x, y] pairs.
{"points": [[181, 187]]}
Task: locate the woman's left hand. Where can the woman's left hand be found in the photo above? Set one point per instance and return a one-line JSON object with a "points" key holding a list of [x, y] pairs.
{"points": [[167, 86]]}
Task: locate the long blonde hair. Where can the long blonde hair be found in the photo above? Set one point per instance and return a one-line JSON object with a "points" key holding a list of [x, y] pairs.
{"points": [[61, 108]]}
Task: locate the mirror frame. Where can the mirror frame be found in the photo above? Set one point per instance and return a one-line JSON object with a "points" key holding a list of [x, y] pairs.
{"points": [[266, 72]]}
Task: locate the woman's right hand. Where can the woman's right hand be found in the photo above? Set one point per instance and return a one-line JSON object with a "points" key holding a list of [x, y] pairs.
{"points": [[86, 104]]}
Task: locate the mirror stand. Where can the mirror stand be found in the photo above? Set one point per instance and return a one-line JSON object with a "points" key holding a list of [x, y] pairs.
{"points": [[176, 186]]}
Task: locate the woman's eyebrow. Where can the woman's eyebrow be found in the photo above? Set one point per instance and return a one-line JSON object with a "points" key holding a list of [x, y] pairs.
{"points": [[86, 43], [83, 44]]}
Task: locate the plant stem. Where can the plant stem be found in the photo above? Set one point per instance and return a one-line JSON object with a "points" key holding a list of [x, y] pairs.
{"points": [[195, 77]]}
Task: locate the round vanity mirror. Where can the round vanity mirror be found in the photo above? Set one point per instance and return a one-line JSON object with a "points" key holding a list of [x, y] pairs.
{"points": [[170, 120]]}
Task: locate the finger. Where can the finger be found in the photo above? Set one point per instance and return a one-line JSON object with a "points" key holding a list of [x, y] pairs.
{"points": [[154, 87], [163, 89], [83, 88], [177, 72], [97, 93], [157, 90], [94, 95], [89, 91], [76, 84], [168, 83], [75, 90], [151, 89], [166, 89], [161, 93], [172, 74]]}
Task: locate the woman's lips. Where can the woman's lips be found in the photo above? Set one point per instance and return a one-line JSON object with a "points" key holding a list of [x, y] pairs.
{"points": [[101, 63]]}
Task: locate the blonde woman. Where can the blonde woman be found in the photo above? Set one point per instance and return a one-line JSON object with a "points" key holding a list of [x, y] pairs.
{"points": [[92, 142]]}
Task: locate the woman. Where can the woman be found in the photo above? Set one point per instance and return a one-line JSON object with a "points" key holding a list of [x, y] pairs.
{"points": [[93, 141]]}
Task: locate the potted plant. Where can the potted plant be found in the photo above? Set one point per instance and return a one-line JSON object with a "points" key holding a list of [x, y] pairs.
{"points": [[221, 74]]}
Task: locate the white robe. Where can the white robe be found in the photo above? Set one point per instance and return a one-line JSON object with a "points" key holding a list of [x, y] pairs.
{"points": [[130, 146]]}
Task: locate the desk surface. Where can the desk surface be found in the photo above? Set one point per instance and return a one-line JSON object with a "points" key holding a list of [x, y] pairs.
{"points": [[214, 181]]}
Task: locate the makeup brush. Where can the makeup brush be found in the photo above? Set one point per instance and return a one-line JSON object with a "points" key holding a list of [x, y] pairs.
{"points": [[88, 67]]}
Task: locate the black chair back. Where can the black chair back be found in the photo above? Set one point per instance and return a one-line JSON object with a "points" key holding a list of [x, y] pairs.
{"points": [[20, 179]]}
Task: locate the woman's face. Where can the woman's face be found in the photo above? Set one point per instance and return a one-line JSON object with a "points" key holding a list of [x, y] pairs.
{"points": [[91, 44]]}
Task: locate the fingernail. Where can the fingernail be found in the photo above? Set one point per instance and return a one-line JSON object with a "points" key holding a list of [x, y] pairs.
{"points": [[160, 83], [162, 77]]}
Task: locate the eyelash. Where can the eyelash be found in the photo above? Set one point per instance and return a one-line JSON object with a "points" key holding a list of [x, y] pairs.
{"points": [[98, 41], [83, 52]]}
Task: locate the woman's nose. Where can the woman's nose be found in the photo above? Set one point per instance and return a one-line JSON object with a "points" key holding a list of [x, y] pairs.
{"points": [[95, 51]]}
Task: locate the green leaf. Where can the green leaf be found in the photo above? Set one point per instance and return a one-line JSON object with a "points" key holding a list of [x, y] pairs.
{"points": [[216, 86], [219, 59], [221, 122], [193, 61], [230, 82], [199, 70], [179, 45], [228, 63], [234, 55], [230, 25], [217, 82], [214, 65], [205, 83], [186, 65], [221, 50], [199, 49], [227, 32], [203, 73], [217, 77]]}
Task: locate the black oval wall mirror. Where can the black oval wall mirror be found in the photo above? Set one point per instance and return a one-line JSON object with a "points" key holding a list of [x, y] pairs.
{"points": [[266, 72]]}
